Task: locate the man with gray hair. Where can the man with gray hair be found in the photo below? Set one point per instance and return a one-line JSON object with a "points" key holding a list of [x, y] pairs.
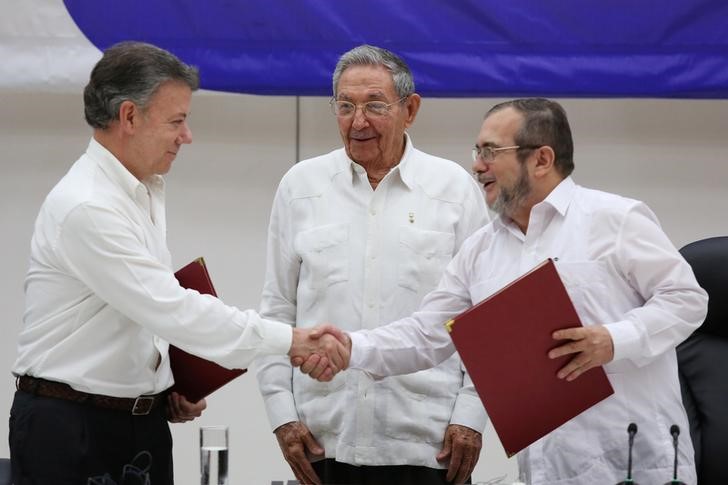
{"points": [[102, 303], [358, 236]]}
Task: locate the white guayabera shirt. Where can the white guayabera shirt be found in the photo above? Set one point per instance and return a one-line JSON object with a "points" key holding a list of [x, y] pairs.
{"points": [[621, 271], [341, 252]]}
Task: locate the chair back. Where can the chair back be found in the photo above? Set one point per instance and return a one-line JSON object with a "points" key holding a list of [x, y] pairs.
{"points": [[703, 363]]}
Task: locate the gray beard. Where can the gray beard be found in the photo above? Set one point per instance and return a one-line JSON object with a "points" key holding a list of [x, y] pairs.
{"points": [[510, 199]]}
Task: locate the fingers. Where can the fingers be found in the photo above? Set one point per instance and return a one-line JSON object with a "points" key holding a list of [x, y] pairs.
{"points": [[311, 444], [336, 352], [181, 410], [318, 369], [325, 328], [303, 470], [574, 369], [573, 333], [462, 445], [592, 345], [311, 363], [294, 439], [453, 469], [468, 459], [446, 446], [320, 354], [445, 453], [326, 376]]}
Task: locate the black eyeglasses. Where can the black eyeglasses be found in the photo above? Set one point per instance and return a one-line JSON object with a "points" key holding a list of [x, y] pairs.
{"points": [[488, 153]]}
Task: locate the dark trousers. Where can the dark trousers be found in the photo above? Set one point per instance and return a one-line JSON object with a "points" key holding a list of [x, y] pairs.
{"points": [[332, 472], [58, 442]]}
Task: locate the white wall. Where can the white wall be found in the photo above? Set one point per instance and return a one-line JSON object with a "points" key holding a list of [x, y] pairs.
{"points": [[669, 153]]}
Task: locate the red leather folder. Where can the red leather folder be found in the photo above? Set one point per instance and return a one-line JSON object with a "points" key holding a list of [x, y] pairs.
{"points": [[195, 377], [504, 341]]}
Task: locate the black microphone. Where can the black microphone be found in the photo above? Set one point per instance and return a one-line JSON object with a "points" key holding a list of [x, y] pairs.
{"points": [[631, 431], [675, 432]]}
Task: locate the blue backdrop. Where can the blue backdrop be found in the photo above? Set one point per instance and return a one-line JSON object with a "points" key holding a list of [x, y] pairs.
{"points": [[456, 48]]}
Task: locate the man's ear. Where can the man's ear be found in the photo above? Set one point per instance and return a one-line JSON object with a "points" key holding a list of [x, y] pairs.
{"points": [[412, 105], [545, 158], [129, 115]]}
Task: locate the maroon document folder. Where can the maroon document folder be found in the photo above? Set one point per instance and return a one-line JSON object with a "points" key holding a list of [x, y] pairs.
{"points": [[504, 341], [195, 377]]}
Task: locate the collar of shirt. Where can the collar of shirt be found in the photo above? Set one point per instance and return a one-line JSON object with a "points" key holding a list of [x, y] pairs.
{"points": [[117, 172], [406, 170], [559, 199]]}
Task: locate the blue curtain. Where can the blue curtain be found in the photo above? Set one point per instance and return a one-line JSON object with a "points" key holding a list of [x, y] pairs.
{"points": [[455, 48]]}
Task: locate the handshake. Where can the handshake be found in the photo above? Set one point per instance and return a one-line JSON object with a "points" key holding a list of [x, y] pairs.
{"points": [[321, 351]]}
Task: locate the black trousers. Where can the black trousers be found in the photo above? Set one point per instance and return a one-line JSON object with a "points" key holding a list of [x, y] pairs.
{"points": [[332, 472], [58, 442]]}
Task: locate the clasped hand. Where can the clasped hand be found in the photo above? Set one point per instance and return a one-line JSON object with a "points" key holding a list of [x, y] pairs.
{"points": [[321, 351], [591, 346]]}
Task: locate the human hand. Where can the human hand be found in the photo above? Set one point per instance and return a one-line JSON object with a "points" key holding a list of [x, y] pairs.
{"points": [[592, 345], [321, 352], [461, 447], [180, 410], [315, 366], [295, 441]]}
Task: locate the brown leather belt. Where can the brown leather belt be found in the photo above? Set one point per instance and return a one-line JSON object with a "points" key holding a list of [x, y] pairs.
{"points": [[141, 405]]}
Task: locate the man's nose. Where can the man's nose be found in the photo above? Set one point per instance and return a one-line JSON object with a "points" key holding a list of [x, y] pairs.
{"points": [[186, 136], [479, 166], [360, 120]]}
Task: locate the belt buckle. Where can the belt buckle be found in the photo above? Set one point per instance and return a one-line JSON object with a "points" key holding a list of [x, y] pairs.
{"points": [[142, 405]]}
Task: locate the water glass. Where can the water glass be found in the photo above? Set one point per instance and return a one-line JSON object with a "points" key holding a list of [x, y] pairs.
{"points": [[213, 455]]}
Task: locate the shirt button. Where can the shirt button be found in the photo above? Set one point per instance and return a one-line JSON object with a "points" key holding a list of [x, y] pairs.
{"points": [[373, 212]]}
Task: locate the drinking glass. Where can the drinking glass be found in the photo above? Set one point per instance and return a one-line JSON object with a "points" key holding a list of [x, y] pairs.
{"points": [[213, 455]]}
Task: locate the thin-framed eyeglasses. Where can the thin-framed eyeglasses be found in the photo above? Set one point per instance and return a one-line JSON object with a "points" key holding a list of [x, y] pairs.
{"points": [[488, 153], [346, 109]]}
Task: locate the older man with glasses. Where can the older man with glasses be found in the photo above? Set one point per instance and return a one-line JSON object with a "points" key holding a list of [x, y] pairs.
{"points": [[358, 236]]}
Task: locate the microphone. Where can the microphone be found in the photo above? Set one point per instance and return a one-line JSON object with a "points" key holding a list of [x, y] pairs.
{"points": [[631, 431], [675, 432]]}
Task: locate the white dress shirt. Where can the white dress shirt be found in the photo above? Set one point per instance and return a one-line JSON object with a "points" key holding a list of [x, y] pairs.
{"points": [[620, 270], [341, 252], [101, 300]]}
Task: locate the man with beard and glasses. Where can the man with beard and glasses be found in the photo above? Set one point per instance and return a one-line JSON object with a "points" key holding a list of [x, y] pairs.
{"points": [[634, 293]]}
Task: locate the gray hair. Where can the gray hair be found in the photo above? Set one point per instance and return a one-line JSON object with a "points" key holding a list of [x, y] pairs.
{"points": [[544, 123], [131, 71], [369, 55]]}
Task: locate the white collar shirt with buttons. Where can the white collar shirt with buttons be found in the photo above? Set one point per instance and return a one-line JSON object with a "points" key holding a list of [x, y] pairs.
{"points": [[341, 252], [101, 300], [620, 270]]}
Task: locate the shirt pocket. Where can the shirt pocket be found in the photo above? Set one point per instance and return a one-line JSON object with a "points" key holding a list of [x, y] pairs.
{"points": [[324, 253], [586, 283], [419, 406], [423, 257], [319, 404]]}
